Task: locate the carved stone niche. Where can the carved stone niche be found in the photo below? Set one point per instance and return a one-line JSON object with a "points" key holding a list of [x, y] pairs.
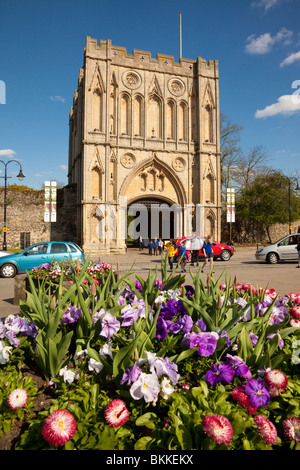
{"points": [[153, 179]]}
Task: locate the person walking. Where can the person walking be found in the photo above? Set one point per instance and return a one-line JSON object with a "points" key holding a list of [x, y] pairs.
{"points": [[171, 254], [182, 256], [298, 249], [208, 253]]}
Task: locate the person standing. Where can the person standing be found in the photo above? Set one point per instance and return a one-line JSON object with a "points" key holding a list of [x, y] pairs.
{"points": [[150, 247], [155, 246], [160, 246], [141, 243], [171, 254], [208, 252], [298, 249]]}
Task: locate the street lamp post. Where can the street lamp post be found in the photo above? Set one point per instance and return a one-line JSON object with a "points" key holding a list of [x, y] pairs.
{"points": [[20, 176], [289, 190]]}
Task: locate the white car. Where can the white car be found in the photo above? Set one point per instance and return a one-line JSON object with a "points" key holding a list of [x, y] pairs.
{"points": [[283, 250], [5, 253]]}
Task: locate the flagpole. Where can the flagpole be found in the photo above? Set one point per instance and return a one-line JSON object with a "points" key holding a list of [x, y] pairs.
{"points": [[180, 35]]}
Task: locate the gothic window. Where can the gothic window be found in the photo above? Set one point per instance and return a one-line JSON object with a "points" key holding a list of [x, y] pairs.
{"points": [[208, 134], [124, 114], [193, 117], [182, 122], [170, 120], [97, 110], [137, 116], [112, 108], [154, 117]]}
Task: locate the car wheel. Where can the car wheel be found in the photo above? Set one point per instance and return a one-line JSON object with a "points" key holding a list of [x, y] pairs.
{"points": [[8, 270], [272, 258], [225, 255]]}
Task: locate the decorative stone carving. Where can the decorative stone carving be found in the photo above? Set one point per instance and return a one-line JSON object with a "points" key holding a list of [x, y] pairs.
{"points": [[176, 86], [132, 80], [179, 164], [128, 160]]}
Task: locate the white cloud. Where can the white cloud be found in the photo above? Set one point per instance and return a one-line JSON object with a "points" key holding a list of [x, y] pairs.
{"points": [[266, 4], [57, 98], [263, 44], [7, 153], [63, 167], [286, 105], [291, 59]]}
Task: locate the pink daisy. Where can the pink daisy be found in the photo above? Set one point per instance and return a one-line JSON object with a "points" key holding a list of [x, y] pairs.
{"points": [[116, 413], [295, 312], [239, 395], [266, 429], [17, 398], [291, 428], [276, 379], [295, 323], [59, 428], [218, 428]]}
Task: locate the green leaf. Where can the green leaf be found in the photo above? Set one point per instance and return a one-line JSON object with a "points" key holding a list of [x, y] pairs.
{"points": [[148, 419]]}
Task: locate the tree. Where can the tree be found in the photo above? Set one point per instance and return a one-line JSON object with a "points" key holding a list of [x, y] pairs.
{"points": [[264, 202], [230, 150]]}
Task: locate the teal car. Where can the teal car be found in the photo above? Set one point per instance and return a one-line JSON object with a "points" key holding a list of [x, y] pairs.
{"points": [[38, 254]]}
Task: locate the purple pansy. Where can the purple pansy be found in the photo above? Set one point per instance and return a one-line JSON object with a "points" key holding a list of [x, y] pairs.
{"points": [[205, 343], [71, 315], [110, 325], [239, 366], [258, 392], [220, 372], [131, 375]]}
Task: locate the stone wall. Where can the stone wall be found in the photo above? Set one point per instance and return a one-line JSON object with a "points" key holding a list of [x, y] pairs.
{"points": [[25, 214]]}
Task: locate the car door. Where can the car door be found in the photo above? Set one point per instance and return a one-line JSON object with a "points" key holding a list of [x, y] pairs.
{"points": [[286, 248], [59, 251], [33, 257]]}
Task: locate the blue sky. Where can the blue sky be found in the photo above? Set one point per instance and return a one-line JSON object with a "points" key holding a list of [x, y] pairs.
{"points": [[257, 44]]}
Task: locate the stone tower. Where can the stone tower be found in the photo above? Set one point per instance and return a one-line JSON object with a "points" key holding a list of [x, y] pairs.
{"points": [[144, 132]]}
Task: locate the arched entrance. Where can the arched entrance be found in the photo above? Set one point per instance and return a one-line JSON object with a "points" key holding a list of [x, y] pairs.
{"points": [[152, 218]]}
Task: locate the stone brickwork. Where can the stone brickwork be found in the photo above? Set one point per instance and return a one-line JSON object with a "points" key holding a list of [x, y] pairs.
{"points": [[25, 214]]}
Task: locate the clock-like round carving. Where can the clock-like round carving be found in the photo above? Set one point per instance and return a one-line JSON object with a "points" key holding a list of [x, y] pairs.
{"points": [[179, 164], [132, 79], [128, 160], [176, 86]]}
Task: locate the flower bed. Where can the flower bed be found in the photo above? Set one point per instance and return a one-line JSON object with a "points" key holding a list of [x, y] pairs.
{"points": [[151, 364]]}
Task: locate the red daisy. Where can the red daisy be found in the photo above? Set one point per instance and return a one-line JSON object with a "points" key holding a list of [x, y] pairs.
{"points": [[276, 379], [239, 395], [218, 428], [59, 428], [116, 413], [291, 428], [17, 398], [266, 429]]}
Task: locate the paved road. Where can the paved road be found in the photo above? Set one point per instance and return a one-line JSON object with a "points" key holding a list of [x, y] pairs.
{"points": [[283, 276]]}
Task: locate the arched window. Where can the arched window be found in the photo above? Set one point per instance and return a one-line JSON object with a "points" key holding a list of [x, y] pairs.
{"points": [[182, 122], [137, 116], [97, 110], [154, 117], [124, 114], [170, 120]]}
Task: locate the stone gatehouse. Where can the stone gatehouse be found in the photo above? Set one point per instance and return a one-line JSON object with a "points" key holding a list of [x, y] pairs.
{"points": [[144, 133]]}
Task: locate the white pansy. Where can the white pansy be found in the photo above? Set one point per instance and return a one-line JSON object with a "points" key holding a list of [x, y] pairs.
{"points": [[166, 388], [95, 365], [67, 374], [5, 351]]}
